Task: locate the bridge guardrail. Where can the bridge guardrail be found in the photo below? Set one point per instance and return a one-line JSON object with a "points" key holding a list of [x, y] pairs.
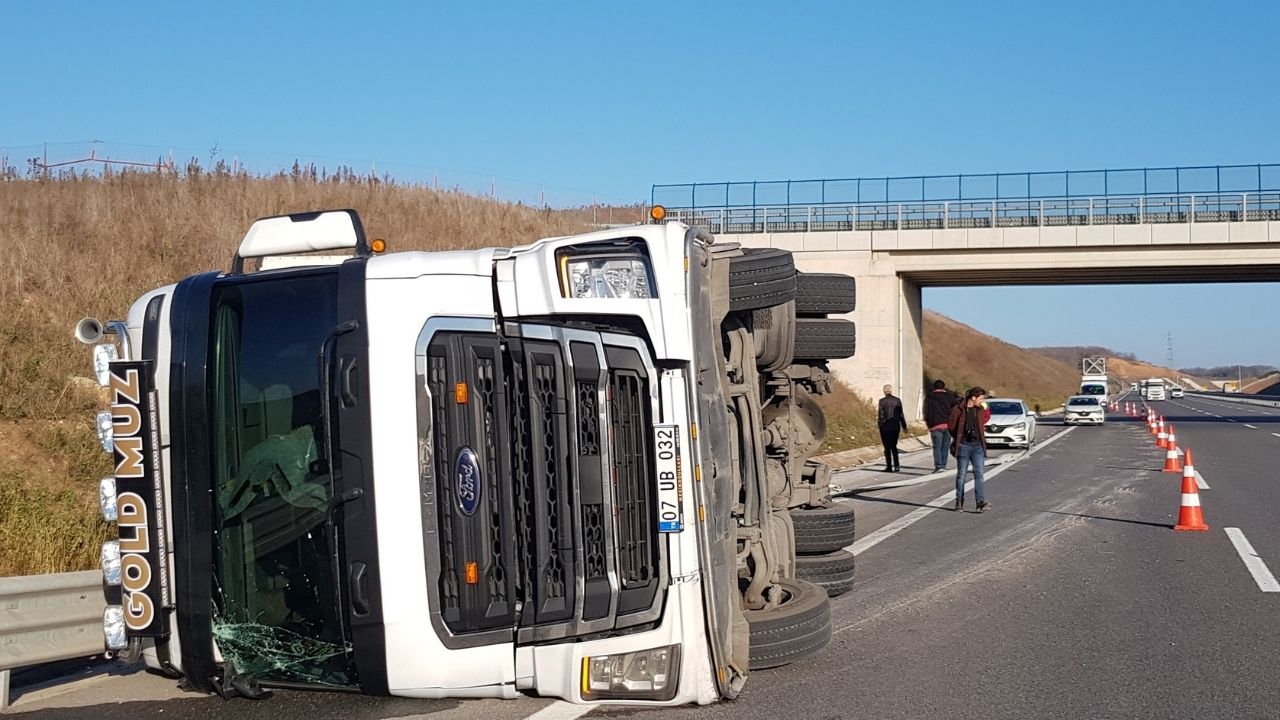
{"points": [[45, 618], [969, 214]]}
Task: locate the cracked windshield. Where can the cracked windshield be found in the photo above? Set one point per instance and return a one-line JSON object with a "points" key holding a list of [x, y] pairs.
{"points": [[276, 610]]}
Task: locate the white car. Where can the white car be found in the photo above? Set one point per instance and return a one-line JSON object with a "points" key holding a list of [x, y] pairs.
{"points": [[1084, 410], [1011, 423], [1176, 392]]}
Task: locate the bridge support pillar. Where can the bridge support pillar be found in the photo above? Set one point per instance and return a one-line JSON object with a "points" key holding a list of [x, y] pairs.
{"points": [[890, 322]]}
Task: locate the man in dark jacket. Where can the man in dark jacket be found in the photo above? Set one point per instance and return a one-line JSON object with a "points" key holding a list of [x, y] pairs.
{"points": [[937, 413], [891, 422], [968, 426]]}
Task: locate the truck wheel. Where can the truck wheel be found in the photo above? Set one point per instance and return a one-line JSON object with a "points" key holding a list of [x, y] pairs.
{"points": [[832, 572], [761, 277], [823, 529], [818, 339], [825, 294], [798, 628]]}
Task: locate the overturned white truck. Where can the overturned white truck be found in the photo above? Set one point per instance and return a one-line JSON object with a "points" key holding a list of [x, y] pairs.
{"points": [[579, 468]]}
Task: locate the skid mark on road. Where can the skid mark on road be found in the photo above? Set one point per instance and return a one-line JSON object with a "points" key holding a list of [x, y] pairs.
{"points": [[915, 516], [1014, 559]]}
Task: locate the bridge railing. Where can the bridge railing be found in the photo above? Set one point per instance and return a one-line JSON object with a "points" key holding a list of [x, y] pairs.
{"points": [[968, 214]]}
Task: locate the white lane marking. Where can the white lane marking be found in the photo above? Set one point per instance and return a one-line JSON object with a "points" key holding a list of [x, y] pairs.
{"points": [[561, 710], [1200, 483], [902, 523], [1276, 434], [1251, 427], [1258, 569]]}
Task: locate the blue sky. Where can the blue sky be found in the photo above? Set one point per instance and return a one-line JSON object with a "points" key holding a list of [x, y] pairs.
{"points": [[577, 100]]}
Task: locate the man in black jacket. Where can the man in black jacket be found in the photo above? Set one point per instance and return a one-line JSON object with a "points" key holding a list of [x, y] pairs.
{"points": [[937, 411], [891, 422]]}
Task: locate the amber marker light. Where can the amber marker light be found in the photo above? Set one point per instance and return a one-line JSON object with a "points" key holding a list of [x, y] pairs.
{"points": [[460, 393], [378, 246], [473, 573], [658, 213]]}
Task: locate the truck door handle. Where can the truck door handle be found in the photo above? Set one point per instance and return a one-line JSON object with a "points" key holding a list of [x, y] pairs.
{"points": [[356, 584], [346, 367]]}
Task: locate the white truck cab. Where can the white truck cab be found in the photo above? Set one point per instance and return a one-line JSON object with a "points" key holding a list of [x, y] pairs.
{"points": [[578, 468]]}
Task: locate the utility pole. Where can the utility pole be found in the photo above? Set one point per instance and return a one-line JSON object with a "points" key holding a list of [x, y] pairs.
{"points": [[1169, 349]]}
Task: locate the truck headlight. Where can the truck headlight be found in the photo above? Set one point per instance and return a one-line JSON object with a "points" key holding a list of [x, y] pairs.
{"points": [[104, 430], [640, 675], [113, 628], [103, 356], [107, 498], [111, 561], [607, 269], [612, 277]]}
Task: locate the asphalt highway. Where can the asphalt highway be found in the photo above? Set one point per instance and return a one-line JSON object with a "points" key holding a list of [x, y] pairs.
{"points": [[1071, 598]]}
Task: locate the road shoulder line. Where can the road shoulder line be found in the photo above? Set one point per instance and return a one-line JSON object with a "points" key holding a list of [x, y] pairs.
{"points": [[1257, 568]]}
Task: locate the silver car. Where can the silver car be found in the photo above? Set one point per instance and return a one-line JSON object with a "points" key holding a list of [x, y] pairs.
{"points": [[1011, 423], [1084, 410]]}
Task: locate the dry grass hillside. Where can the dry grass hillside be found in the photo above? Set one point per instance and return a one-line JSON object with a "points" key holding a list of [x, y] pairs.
{"points": [[1131, 371], [76, 246], [964, 357]]}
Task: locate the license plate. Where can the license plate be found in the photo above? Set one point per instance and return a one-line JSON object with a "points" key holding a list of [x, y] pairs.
{"points": [[666, 444]]}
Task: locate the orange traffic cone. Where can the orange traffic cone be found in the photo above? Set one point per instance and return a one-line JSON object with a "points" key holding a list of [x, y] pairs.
{"points": [[1189, 469], [1189, 515], [1162, 437], [1172, 461]]}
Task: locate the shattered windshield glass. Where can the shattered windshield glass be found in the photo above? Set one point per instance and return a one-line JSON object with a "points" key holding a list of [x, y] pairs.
{"points": [[277, 614]]}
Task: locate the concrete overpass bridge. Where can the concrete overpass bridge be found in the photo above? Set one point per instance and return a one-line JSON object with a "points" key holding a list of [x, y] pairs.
{"points": [[1148, 225]]}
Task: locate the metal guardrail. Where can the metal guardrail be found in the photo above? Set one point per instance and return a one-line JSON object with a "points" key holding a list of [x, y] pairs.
{"points": [[968, 214], [1180, 180], [45, 618], [1247, 400]]}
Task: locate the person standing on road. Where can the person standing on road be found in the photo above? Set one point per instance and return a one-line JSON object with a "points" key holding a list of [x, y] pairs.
{"points": [[937, 415], [968, 425], [891, 422]]}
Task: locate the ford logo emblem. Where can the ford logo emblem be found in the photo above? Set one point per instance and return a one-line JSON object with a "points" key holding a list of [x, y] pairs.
{"points": [[466, 480]]}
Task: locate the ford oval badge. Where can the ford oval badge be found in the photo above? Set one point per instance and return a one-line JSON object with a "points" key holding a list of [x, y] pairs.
{"points": [[466, 479]]}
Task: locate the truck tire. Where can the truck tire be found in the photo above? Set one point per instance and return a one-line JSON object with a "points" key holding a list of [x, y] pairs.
{"points": [[761, 277], [819, 294], [818, 339], [823, 529], [832, 571], [798, 628]]}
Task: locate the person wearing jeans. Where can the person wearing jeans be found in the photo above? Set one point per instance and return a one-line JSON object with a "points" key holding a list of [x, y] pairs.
{"points": [[968, 424], [937, 413]]}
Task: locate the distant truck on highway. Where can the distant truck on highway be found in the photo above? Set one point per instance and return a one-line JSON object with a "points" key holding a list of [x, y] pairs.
{"points": [[1153, 389], [1093, 379], [579, 468]]}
